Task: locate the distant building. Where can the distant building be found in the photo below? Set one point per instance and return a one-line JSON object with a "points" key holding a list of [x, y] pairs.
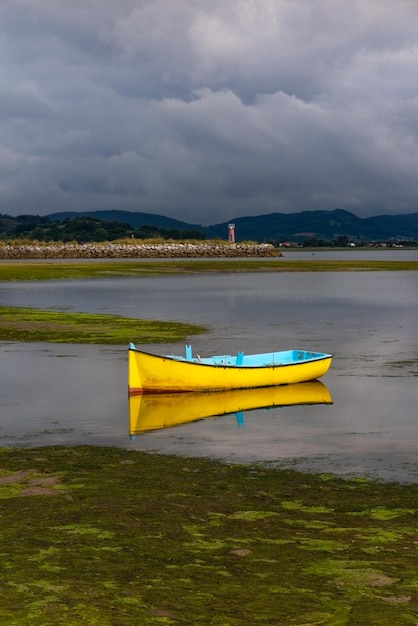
{"points": [[231, 233]]}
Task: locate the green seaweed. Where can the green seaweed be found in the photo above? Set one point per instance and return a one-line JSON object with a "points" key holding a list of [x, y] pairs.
{"points": [[130, 538], [299, 506], [63, 270], [30, 324]]}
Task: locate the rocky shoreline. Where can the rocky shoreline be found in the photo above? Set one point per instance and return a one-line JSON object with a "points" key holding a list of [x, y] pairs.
{"points": [[136, 250]]}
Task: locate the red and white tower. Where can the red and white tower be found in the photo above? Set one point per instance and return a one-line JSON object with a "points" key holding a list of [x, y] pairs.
{"points": [[231, 233]]}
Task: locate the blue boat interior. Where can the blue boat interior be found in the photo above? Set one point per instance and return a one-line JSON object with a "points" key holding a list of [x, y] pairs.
{"points": [[266, 359]]}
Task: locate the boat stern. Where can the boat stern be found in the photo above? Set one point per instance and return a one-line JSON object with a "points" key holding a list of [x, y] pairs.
{"points": [[134, 376]]}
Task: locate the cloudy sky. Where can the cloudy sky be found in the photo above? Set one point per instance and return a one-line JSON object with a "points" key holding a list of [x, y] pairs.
{"points": [[209, 110]]}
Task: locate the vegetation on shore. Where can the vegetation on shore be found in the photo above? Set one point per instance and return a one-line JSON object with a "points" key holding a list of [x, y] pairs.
{"points": [[56, 270], [106, 536], [27, 324]]}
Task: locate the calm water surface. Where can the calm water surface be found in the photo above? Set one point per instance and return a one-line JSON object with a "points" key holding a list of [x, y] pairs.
{"points": [[65, 394]]}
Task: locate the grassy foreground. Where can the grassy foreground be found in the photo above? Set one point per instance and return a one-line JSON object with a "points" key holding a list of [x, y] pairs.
{"points": [[56, 270], [112, 537]]}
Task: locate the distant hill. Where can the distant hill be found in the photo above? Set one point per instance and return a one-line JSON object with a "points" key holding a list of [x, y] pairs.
{"points": [[8, 224], [279, 226], [136, 220], [321, 225]]}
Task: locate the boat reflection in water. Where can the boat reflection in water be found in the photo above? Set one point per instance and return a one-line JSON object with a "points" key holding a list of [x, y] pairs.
{"points": [[156, 411]]}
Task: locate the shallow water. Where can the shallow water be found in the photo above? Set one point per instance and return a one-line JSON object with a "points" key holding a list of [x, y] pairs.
{"points": [[64, 394]]}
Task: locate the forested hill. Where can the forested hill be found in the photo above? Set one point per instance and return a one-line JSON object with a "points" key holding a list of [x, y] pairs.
{"points": [[306, 227], [280, 226], [83, 228], [136, 220], [328, 225]]}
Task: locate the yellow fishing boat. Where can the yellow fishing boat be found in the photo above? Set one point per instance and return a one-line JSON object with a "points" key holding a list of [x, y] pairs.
{"points": [[152, 373], [155, 411]]}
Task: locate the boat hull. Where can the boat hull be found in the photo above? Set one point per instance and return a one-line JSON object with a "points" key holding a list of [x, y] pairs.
{"points": [[156, 411], [150, 373]]}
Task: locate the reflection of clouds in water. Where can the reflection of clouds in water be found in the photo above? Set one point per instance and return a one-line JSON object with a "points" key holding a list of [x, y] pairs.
{"points": [[371, 425], [374, 288], [47, 387], [61, 394], [387, 455]]}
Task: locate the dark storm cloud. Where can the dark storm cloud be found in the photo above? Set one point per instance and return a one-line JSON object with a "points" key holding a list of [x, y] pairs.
{"points": [[208, 111]]}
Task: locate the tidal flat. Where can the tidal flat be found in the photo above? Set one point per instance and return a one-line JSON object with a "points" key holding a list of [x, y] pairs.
{"points": [[100, 535], [36, 325], [76, 269], [58, 326], [94, 535]]}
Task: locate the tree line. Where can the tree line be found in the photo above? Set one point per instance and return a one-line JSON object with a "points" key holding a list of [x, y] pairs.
{"points": [[88, 229]]}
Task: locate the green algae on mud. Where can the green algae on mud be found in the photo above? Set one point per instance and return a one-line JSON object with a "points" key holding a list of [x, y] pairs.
{"points": [[29, 325], [106, 536], [76, 269]]}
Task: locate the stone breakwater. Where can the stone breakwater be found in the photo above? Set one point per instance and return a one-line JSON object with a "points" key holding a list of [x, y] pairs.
{"points": [[140, 251]]}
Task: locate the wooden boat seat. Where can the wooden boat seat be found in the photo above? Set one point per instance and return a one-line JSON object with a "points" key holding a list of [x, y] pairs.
{"points": [[239, 359]]}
